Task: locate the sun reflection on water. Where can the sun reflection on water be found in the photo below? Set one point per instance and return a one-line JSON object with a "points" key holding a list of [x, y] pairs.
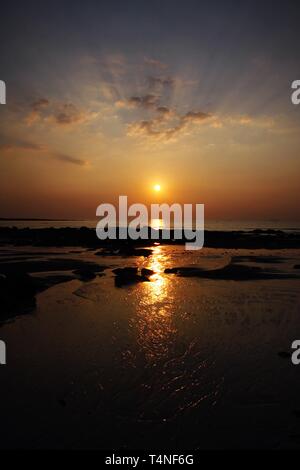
{"points": [[155, 310]]}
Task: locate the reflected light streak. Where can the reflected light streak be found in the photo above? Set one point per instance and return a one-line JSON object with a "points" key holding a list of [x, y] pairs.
{"points": [[155, 310]]}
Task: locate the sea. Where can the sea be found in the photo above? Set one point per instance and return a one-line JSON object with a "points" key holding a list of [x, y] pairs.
{"points": [[210, 224]]}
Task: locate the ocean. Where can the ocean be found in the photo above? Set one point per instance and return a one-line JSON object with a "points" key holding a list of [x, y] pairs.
{"points": [[212, 225]]}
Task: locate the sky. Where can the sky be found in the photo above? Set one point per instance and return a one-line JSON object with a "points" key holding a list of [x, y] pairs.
{"points": [[109, 98]]}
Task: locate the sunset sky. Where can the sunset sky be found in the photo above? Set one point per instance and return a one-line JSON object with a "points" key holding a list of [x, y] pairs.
{"points": [[112, 97]]}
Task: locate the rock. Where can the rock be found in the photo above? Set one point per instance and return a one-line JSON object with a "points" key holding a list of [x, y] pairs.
{"points": [[127, 276], [85, 274], [147, 272], [18, 289], [126, 251], [259, 259], [231, 272], [144, 252], [125, 271], [172, 270]]}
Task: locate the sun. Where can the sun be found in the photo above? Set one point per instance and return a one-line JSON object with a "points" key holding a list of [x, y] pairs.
{"points": [[157, 188]]}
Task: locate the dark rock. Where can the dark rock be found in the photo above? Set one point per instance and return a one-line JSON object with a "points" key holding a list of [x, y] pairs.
{"points": [[18, 289], [44, 265], [147, 272], [231, 272], [259, 259], [128, 276], [127, 251], [172, 270], [87, 238], [85, 274], [125, 271]]}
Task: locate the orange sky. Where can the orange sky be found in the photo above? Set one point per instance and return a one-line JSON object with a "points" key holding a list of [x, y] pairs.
{"points": [[84, 124]]}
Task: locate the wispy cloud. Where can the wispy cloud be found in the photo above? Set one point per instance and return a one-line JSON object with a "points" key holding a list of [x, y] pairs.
{"points": [[10, 145], [146, 102], [69, 159], [61, 114], [155, 63], [160, 83], [166, 128]]}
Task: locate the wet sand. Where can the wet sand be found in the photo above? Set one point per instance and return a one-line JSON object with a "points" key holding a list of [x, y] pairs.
{"points": [[171, 361]]}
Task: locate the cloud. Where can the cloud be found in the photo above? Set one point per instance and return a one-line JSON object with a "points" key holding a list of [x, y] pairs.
{"points": [[61, 114], [36, 110], [195, 117], [158, 83], [109, 91], [39, 104], [164, 122], [69, 159], [67, 114], [9, 145], [160, 128], [115, 64], [155, 63], [151, 129], [146, 102], [167, 124], [164, 111]]}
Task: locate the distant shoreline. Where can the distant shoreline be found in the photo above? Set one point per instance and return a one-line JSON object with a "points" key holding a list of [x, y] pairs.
{"points": [[20, 219], [86, 237]]}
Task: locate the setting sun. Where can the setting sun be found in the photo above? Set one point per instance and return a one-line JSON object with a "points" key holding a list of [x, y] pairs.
{"points": [[157, 188]]}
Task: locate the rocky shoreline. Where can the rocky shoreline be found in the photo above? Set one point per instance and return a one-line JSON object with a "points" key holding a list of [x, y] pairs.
{"points": [[86, 237]]}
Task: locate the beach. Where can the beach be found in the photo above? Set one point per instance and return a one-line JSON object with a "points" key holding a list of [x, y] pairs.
{"points": [[163, 354]]}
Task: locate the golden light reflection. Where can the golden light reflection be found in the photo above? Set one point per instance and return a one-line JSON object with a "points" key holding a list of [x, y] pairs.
{"points": [[157, 224], [156, 309]]}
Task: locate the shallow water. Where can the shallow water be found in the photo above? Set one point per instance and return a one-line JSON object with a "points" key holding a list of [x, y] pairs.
{"points": [[179, 363]]}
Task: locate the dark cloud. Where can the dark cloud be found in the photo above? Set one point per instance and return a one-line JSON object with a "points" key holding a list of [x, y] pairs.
{"points": [[147, 101], [198, 116], [156, 83], [62, 114], [167, 129], [68, 114], [39, 104], [163, 110], [69, 159], [7, 144], [36, 110], [152, 129], [166, 122]]}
